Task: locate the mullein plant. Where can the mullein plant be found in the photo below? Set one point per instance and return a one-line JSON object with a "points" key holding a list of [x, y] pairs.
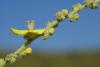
{"points": [[31, 34]]}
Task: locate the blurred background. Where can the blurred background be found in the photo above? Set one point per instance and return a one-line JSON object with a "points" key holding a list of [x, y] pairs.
{"points": [[74, 44]]}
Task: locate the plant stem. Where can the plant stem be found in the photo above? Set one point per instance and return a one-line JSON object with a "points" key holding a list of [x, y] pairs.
{"points": [[12, 57]]}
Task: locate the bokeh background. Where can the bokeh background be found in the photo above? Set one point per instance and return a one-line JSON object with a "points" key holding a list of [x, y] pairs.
{"points": [[73, 44]]}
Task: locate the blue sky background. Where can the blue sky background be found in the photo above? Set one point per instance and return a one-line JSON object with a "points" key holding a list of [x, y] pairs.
{"points": [[83, 35]]}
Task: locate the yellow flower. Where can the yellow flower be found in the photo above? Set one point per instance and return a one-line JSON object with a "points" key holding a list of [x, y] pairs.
{"points": [[31, 33]]}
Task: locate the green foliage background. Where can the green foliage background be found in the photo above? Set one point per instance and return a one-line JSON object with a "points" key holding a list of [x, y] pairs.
{"points": [[59, 60]]}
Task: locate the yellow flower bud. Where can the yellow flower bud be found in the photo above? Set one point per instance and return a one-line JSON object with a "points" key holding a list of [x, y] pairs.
{"points": [[77, 7], [97, 1], [60, 16], [73, 17], [93, 4], [28, 50], [64, 12]]}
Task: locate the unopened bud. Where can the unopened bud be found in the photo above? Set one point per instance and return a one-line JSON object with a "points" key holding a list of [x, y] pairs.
{"points": [[73, 17], [28, 50], [64, 12]]}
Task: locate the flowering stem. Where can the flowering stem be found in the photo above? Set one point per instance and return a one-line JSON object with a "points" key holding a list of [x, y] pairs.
{"points": [[62, 15], [12, 57], [23, 47]]}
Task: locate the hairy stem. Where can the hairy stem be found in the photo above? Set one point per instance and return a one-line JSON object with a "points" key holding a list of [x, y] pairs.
{"points": [[12, 57]]}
